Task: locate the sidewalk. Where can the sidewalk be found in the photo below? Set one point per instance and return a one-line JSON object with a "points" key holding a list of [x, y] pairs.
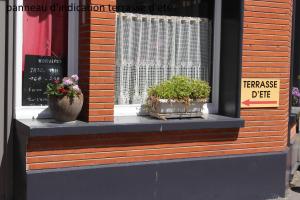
{"points": [[294, 192], [291, 195]]}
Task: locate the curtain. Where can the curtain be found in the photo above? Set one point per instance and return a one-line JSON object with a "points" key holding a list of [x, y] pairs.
{"points": [[153, 48], [45, 32]]}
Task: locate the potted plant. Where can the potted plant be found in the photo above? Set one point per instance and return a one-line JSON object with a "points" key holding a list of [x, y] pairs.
{"points": [[295, 96], [65, 99], [178, 97]]}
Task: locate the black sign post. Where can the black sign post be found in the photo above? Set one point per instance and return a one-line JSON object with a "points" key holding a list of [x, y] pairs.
{"points": [[38, 72]]}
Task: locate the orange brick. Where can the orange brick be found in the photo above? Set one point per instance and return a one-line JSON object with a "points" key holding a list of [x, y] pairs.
{"points": [[102, 67], [101, 106], [101, 86], [101, 118], [101, 99], [101, 93], [100, 112], [105, 61]]}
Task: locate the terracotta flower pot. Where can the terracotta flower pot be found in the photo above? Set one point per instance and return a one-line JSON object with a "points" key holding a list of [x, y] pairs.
{"points": [[65, 109]]}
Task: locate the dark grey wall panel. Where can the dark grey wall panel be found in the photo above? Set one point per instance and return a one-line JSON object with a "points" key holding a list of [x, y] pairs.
{"points": [[248, 177], [119, 183], [20, 146]]}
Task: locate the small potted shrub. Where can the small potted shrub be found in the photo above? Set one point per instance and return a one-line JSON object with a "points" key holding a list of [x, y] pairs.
{"points": [[178, 97], [65, 99]]}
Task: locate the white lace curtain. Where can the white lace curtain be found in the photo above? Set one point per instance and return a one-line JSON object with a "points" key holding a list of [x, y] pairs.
{"points": [[153, 48]]}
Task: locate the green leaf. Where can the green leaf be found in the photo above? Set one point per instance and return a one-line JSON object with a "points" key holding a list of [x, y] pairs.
{"points": [[180, 88]]}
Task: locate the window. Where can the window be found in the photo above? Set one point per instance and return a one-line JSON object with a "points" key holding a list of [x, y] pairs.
{"points": [[43, 33], [157, 39]]}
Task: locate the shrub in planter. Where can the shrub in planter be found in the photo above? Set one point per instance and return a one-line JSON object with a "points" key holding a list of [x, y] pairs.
{"points": [[65, 99], [178, 95]]}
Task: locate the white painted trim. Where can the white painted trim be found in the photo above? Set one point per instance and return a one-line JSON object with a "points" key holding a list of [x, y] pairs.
{"points": [[28, 112], [32, 112], [18, 59], [131, 110], [127, 110]]}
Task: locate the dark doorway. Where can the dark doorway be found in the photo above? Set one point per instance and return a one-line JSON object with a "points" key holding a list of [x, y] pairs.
{"points": [[296, 46]]}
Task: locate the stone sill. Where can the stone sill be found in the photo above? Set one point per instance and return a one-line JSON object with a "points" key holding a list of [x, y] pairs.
{"points": [[131, 124]]}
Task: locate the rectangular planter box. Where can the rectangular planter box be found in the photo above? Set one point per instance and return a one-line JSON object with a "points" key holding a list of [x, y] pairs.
{"points": [[164, 109]]}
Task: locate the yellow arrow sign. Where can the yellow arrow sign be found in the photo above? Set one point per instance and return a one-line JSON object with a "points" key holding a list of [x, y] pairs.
{"points": [[260, 93]]}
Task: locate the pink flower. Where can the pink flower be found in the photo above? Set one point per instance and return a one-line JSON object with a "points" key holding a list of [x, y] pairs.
{"points": [[75, 77], [76, 89], [67, 81]]}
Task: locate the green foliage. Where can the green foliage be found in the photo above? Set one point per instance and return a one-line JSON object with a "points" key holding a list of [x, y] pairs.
{"points": [[53, 89], [180, 88], [200, 89]]}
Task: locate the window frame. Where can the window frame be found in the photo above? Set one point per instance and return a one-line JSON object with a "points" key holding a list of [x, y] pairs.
{"points": [[25, 112], [209, 108]]}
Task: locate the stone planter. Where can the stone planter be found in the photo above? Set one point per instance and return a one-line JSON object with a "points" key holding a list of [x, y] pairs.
{"points": [[65, 109], [165, 109]]}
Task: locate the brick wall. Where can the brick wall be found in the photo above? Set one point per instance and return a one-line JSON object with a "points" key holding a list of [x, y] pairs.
{"points": [[70, 151], [97, 62], [266, 54]]}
